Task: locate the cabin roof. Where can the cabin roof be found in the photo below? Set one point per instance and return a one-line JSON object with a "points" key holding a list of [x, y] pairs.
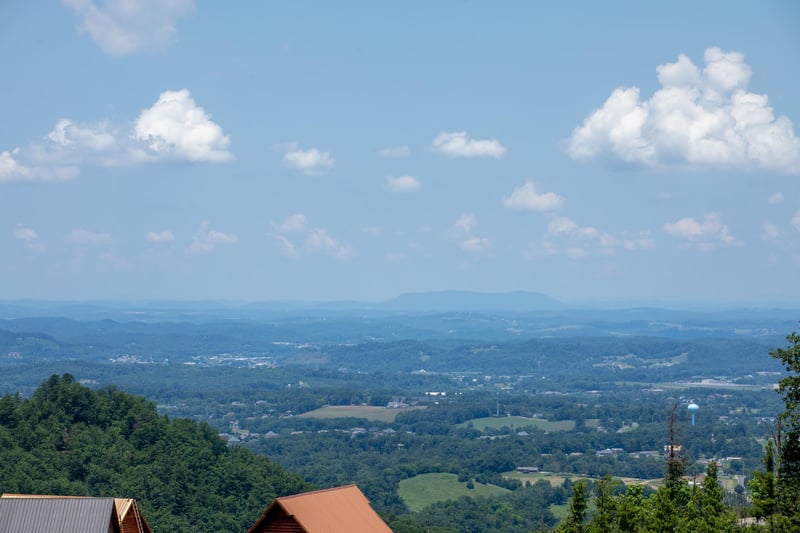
{"points": [[129, 517], [336, 510], [65, 515]]}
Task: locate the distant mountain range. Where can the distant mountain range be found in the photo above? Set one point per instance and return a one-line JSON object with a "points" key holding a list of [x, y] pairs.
{"points": [[518, 301]]}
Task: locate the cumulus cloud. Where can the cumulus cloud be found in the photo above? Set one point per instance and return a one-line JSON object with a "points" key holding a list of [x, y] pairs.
{"points": [[775, 199], [770, 231], [525, 198], [13, 170], [395, 152], [122, 27], [25, 234], [292, 224], [475, 244], [463, 234], [402, 184], [174, 128], [311, 161], [705, 234], [643, 242], [702, 118], [206, 240], [565, 237], [457, 144], [465, 222], [567, 226], [30, 238], [82, 237], [318, 239], [309, 240], [159, 237]]}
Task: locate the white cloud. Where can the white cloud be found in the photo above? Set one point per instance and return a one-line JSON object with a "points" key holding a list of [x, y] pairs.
{"points": [[159, 237], [293, 223], [311, 162], [176, 127], [83, 237], [770, 232], [457, 144], [287, 246], [402, 184], [574, 252], [13, 170], [475, 244], [467, 241], [116, 262], [395, 152], [318, 239], [641, 243], [525, 198], [567, 226], [314, 239], [775, 199], [698, 118], [30, 238], [796, 221], [705, 234], [25, 234], [465, 222], [205, 240], [123, 27], [10, 169]]}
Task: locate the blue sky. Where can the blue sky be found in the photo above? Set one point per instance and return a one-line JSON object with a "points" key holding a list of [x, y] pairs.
{"points": [[643, 152]]}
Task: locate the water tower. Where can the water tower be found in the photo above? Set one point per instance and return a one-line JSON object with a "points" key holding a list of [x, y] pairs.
{"points": [[693, 407]]}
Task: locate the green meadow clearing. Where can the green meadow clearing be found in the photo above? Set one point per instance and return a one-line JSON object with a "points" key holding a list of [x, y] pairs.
{"points": [[495, 422], [380, 414], [420, 491]]}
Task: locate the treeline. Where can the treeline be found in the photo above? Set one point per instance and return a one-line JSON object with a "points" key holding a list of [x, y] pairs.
{"points": [[67, 439]]}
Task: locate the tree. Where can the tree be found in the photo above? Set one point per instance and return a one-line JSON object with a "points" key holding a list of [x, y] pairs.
{"points": [[788, 480], [574, 522], [605, 519], [676, 463], [762, 486]]}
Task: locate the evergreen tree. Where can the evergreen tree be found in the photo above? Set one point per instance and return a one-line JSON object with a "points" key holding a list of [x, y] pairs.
{"points": [[788, 479], [578, 504]]}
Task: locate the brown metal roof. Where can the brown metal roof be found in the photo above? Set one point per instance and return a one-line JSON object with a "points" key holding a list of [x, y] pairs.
{"points": [[64, 515], [338, 510]]}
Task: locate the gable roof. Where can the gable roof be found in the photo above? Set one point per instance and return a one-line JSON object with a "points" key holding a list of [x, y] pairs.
{"points": [[129, 517], [65, 515], [338, 510]]}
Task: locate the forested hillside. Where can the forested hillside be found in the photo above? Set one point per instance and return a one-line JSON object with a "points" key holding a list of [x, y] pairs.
{"points": [[70, 440]]}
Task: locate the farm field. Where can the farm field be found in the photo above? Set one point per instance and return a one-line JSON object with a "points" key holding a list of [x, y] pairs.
{"points": [[519, 422], [420, 491], [380, 414], [557, 479]]}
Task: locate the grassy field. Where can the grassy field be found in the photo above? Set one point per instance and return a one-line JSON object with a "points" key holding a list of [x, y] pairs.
{"points": [[519, 422], [558, 479], [420, 491], [380, 414]]}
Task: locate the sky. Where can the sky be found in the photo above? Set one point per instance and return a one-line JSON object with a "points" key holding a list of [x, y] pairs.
{"points": [[593, 151]]}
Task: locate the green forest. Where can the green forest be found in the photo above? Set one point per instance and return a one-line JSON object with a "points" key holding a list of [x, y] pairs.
{"points": [[577, 441], [67, 439]]}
